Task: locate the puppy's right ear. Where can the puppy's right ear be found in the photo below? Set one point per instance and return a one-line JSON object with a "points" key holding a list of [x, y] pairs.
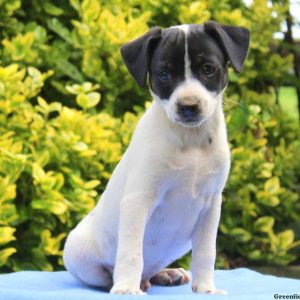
{"points": [[137, 54]]}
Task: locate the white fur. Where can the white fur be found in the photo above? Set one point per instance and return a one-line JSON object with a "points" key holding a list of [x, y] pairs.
{"points": [[183, 27], [208, 101], [163, 198], [187, 61]]}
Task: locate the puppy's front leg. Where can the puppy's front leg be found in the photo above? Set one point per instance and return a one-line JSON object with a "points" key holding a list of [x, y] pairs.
{"points": [[204, 249], [134, 210]]}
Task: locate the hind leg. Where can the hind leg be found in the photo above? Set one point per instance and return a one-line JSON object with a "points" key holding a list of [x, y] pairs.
{"points": [[83, 260], [171, 277]]}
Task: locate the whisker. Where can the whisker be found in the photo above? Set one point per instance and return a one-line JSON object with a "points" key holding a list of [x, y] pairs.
{"points": [[228, 101]]}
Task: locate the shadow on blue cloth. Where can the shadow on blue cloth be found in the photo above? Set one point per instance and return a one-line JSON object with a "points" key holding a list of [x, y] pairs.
{"points": [[239, 283]]}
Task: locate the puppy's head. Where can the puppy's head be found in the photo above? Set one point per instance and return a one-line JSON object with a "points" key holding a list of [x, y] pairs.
{"points": [[187, 66]]}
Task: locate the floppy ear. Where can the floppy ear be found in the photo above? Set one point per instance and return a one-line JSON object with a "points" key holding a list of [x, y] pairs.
{"points": [[234, 41], [137, 54]]}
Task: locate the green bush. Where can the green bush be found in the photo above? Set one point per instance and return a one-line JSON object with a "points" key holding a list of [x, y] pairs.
{"points": [[51, 165], [59, 143]]}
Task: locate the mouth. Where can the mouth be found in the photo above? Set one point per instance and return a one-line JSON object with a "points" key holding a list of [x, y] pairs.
{"points": [[190, 122]]}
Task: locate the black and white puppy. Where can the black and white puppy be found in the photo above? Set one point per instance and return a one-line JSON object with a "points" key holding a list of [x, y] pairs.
{"points": [[164, 197]]}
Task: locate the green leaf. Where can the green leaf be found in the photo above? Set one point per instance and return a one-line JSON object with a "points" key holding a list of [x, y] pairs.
{"points": [[82, 100], [88, 100], [75, 4], [267, 169], [83, 88], [34, 73], [39, 261], [264, 224], [80, 146], [37, 172], [255, 254], [43, 104], [273, 201], [272, 185], [6, 234], [240, 234], [56, 207], [5, 254], [267, 199], [40, 34], [56, 26], [91, 184], [8, 214], [254, 108], [67, 68], [55, 106], [94, 98], [239, 119], [51, 245], [52, 9], [12, 5], [286, 238]]}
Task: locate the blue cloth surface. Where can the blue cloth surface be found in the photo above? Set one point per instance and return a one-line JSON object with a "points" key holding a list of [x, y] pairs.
{"points": [[240, 284]]}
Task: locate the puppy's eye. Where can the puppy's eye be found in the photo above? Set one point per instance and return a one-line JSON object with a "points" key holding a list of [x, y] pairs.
{"points": [[208, 69], [164, 76]]}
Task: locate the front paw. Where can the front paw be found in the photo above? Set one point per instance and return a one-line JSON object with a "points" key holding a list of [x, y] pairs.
{"points": [[125, 289], [205, 289]]}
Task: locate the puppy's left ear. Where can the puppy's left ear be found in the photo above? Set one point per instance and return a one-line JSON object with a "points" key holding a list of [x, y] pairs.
{"points": [[137, 54], [234, 41]]}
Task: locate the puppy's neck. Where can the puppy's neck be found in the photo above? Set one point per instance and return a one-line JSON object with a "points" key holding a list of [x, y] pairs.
{"points": [[210, 133]]}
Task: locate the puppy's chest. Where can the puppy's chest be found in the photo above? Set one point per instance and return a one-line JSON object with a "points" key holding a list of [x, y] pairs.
{"points": [[196, 172], [194, 179]]}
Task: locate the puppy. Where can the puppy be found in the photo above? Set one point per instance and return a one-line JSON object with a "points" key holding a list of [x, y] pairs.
{"points": [[164, 197]]}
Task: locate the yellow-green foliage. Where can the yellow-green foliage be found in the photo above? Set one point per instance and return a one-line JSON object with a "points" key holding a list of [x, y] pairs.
{"points": [[68, 108], [52, 161]]}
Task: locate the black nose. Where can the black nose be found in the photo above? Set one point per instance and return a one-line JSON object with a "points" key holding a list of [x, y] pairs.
{"points": [[188, 111]]}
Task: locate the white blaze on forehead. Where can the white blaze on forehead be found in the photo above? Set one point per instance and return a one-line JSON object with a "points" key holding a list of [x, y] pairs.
{"points": [[183, 27], [187, 61]]}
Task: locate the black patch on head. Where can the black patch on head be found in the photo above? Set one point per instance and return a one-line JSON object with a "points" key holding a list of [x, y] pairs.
{"points": [[168, 57], [205, 55]]}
